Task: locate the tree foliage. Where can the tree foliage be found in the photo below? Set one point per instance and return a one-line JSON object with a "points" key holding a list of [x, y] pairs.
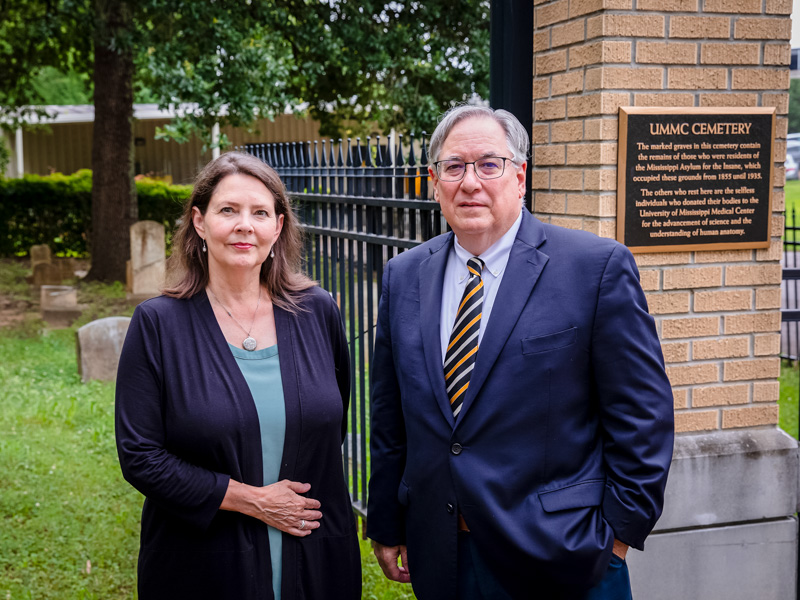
{"points": [[354, 66], [34, 35], [397, 64]]}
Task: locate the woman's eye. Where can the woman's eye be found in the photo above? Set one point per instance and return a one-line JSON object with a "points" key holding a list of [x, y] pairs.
{"points": [[226, 209], [262, 213]]}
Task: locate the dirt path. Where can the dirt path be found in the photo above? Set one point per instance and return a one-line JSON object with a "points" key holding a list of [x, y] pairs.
{"points": [[13, 311]]}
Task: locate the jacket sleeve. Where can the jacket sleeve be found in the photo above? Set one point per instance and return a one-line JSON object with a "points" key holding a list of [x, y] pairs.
{"points": [[385, 514], [189, 492], [635, 398]]}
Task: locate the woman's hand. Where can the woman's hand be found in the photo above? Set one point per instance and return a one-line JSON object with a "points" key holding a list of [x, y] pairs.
{"points": [[279, 505]]}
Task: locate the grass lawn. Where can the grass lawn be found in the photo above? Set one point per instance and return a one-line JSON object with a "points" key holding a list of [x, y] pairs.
{"points": [[792, 190], [70, 523], [790, 391]]}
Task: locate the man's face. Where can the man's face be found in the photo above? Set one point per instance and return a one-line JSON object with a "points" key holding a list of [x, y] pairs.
{"points": [[480, 211]]}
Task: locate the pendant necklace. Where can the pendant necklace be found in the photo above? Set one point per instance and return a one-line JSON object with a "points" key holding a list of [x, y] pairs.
{"points": [[249, 342]]}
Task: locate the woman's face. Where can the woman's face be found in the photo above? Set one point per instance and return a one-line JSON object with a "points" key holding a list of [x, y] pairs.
{"points": [[240, 225]]}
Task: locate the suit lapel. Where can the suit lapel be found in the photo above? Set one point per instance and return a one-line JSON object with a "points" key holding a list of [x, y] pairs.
{"points": [[431, 283], [525, 265]]}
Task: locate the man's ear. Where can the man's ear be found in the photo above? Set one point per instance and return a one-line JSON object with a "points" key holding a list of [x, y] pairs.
{"points": [[435, 181], [521, 179]]}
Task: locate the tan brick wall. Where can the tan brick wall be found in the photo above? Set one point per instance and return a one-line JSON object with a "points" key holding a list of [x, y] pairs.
{"points": [[717, 312], [699, 27], [694, 421], [751, 416], [703, 397], [668, 5], [733, 6], [666, 53], [730, 54]]}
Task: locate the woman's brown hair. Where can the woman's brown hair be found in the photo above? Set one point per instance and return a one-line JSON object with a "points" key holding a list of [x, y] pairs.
{"points": [[281, 275]]}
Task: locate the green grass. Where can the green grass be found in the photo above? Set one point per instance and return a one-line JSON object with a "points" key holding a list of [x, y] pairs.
{"points": [[64, 505], [792, 190], [69, 523], [790, 392]]}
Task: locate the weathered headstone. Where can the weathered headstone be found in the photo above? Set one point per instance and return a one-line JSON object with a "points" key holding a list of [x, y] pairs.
{"points": [[99, 346], [59, 305], [40, 254], [148, 259], [45, 273], [66, 267]]}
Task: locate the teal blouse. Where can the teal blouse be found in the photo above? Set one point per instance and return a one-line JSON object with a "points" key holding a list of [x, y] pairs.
{"points": [[261, 370]]}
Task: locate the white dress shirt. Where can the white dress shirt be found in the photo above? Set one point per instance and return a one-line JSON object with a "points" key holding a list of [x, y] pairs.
{"points": [[456, 275]]}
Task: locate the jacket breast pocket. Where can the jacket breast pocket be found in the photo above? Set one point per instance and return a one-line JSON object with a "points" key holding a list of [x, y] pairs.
{"points": [[585, 494], [551, 341]]}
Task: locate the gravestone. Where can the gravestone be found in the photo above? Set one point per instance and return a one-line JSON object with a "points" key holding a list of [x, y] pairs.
{"points": [[46, 273], [40, 254], [99, 345], [66, 267], [59, 305], [148, 259]]}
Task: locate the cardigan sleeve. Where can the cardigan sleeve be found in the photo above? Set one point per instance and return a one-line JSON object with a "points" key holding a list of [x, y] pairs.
{"points": [[341, 358], [189, 492]]}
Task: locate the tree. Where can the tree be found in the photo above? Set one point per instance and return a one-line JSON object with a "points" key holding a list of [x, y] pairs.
{"points": [[352, 65]]}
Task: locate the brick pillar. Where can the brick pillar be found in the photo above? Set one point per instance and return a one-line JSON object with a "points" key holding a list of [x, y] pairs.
{"points": [[717, 312]]}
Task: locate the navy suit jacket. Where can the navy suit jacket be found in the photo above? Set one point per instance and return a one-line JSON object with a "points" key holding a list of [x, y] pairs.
{"points": [[565, 436]]}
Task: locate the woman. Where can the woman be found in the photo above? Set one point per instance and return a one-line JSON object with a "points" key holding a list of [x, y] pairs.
{"points": [[231, 404]]}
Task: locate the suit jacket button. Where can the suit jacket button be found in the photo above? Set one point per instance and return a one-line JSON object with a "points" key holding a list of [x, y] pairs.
{"points": [[450, 508], [456, 448]]}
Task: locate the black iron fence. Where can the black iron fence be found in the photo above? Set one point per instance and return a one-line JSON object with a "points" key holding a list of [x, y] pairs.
{"points": [[360, 204], [790, 301], [790, 314]]}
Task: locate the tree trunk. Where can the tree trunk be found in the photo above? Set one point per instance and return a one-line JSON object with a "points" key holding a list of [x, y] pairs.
{"points": [[114, 207]]}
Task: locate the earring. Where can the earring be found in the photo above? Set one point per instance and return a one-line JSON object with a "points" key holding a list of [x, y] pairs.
{"points": [[272, 253], [204, 246]]}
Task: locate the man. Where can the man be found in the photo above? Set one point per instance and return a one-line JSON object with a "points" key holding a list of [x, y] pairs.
{"points": [[522, 420]]}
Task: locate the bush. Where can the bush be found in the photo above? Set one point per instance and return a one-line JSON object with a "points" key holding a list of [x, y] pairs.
{"points": [[57, 210]]}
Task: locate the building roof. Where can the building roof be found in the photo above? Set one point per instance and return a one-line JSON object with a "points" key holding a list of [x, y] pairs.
{"points": [[84, 113]]}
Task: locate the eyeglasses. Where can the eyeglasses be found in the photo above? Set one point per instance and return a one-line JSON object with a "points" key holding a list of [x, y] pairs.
{"points": [[489, 167]]}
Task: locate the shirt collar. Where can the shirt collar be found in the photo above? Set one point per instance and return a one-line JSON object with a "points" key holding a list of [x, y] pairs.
{"points": [[496, 256]]}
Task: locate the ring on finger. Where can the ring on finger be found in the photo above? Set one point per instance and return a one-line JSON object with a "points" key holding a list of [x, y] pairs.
{"points": [[302, 523]]}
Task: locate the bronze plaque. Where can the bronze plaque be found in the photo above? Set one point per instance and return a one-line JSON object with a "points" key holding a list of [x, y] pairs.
{"points": [[695, 178]]}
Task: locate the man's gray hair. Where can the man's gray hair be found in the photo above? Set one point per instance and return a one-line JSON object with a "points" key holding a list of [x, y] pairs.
{"points": [[516, 136]]}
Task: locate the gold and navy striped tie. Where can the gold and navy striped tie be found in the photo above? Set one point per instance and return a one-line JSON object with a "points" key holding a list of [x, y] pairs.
{"points": [[463, 347]]}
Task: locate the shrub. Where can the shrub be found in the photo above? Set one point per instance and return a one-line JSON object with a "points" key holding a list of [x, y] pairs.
{"points": [[57, 210]]}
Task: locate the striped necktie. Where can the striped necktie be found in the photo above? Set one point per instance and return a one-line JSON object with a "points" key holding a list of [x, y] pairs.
{"points": [[463, 346]]}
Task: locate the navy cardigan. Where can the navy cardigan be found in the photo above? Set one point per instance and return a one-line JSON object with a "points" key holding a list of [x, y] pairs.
{"points": [[186, 423]]}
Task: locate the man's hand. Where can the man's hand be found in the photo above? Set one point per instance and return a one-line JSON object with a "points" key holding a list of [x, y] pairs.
{"points": [[620, 549], [387, 558]]}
